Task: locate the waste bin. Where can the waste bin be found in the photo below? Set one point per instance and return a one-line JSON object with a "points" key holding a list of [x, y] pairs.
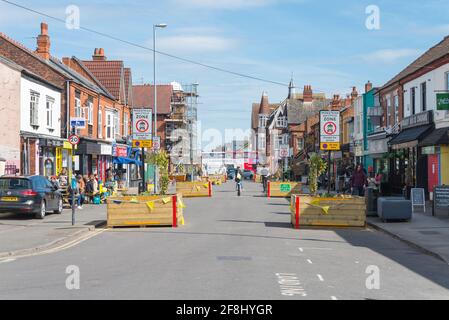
{"points": [[371, 196]]}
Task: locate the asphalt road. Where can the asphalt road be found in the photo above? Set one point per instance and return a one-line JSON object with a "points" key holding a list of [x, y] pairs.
{"points": [[231, 248]]}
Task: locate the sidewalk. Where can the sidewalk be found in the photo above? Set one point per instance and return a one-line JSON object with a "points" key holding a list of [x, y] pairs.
{"points": [[427, 233], [21, 235]]}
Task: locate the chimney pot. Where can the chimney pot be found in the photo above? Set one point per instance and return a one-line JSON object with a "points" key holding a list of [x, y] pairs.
{"points": [[43, 42], [44, 29]]}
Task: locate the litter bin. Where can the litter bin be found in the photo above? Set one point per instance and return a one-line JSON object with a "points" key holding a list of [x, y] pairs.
{"points": [[371, 196]]}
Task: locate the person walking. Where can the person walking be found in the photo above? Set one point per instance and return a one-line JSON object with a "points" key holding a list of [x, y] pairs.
{"points": [[82, 191], [358, 181]]}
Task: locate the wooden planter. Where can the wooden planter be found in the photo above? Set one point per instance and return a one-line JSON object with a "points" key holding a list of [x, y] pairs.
{"points": [[194, 189], [145, 211], [217, 179], [179, 177], [343, 212], [283, 189]]}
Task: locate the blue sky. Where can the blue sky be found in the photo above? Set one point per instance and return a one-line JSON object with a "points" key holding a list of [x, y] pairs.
{"points": [[323, 43]]}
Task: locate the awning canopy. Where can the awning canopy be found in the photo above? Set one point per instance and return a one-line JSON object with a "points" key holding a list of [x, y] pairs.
{"points": [[436, 137], [409, 138], [123, 160]]}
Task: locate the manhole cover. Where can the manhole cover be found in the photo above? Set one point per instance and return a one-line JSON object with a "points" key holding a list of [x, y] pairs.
{"points": [[429, 233], [233, 258]]}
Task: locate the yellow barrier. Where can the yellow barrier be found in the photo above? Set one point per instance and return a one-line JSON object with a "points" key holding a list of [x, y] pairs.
{"points": [[331, 212], [194, 189], [145, 211]]}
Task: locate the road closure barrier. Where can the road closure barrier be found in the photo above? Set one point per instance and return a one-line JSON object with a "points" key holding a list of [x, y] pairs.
{"points": [[341, 211], [145, 211], [283, 189], [194, 189]]}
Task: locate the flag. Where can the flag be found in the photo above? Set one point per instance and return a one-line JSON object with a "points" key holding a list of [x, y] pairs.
{"points": [[181, 204], [166, 200], [206, 185], [134, 200], [150, 205], [198, 188], [315, 202], [325, 209]]}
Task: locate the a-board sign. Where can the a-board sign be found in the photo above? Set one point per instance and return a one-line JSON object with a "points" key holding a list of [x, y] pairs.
{"points": [[441, 197], [418, 198]]}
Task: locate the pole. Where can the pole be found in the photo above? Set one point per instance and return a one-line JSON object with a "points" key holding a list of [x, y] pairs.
{"points": [[73, 183], [155, 101], [144, 181], [329, 174]]}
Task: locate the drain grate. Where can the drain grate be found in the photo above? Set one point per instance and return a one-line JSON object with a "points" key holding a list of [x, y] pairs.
{"points": [[234, 258], [429, 233]]}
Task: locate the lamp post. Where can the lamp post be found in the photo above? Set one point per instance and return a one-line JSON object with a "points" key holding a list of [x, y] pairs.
{"points": [[161, 25]]}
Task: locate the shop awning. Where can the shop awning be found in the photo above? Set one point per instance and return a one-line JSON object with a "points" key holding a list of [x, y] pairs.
{"points": [[436, 137], [123, 160], [409, 138]]}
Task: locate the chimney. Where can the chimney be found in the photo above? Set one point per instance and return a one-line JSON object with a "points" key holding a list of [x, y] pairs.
{"points": [[354, 93], [43, 42], [368, 86], [99, 55], [66, 61], [307, 93]]}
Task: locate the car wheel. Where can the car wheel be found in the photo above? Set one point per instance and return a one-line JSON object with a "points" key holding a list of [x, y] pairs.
{"points": [[42, 211], [60, 207]]}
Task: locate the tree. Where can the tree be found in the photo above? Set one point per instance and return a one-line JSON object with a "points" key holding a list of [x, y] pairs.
{"points": [[161, 159], [317, 166]]}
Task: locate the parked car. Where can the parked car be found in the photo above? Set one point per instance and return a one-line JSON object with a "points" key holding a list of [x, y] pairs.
{"points": [[248, 174], [29, 195], [231, 174]]}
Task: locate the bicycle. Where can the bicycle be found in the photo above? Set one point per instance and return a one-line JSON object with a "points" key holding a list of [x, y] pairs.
{"points": [[239, 188]]}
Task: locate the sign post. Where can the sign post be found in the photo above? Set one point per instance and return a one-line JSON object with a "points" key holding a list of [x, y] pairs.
{"points": [[142, 136], [329, 137], [74, 141]]}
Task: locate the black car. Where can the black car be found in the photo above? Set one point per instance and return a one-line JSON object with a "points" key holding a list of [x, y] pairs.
{"points": [[29, 195]]}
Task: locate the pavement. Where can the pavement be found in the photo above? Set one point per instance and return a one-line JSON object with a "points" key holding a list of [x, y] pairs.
{"points": [[231, 248], [21, 235], [425, 232]]}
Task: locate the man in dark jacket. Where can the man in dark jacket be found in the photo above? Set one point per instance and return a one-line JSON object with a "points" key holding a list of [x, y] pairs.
{"points": [[358, 181]]}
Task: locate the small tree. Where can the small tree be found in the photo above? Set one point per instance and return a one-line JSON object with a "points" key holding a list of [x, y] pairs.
{"points": [[160, 159], [317, 166]]}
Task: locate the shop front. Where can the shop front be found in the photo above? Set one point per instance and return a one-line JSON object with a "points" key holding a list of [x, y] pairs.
{"points": [[85, 157], [64, 160], [407, 160], [380, 155], [126, 165]]}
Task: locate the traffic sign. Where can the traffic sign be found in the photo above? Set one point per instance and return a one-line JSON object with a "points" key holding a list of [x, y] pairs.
{"points": [[142, 119], [156, 143], [330, 130], [284, 151], [74, 140], [142, 144]]}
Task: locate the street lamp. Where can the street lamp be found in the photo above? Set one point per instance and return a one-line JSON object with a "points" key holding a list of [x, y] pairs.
{"points": [[161, 25]]}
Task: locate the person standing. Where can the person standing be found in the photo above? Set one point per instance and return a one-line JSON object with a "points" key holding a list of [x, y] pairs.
{"points": [[358, 181], [82, 190]]}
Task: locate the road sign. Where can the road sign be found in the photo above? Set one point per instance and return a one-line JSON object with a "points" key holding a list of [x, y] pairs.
{"points": [[284, 151], [330, 130], [79, 123], [142, 119], [156, 143], [142, 144], [74, 140]]}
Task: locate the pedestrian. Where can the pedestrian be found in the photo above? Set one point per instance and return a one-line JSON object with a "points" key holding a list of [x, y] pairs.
{"points": [[82, 191], [358, 181]]}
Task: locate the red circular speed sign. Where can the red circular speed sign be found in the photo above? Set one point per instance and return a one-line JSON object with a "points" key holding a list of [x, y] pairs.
{"points": [[330, 128], [74, 140], [142, 125]]}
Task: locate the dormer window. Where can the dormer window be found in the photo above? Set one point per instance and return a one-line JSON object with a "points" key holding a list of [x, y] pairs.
{"points": [[281, 122], [263, 119]]}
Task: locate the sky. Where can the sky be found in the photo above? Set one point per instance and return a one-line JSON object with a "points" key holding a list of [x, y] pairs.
{"points": [[330, 45]]}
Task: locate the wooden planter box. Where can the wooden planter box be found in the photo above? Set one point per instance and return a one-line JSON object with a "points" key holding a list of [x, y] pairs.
{"points": [[283, 189], [194, 189], [217, 178], [343, 212], [122, 212], [179, 177]]}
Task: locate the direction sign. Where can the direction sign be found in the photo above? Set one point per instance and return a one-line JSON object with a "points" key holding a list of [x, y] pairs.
{"points": [[330, 130], [74, 140], [142, 119], [79, 123]]}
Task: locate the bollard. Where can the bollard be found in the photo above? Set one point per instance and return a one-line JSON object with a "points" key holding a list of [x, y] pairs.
{"points": [[297, 211], [175, 211]]}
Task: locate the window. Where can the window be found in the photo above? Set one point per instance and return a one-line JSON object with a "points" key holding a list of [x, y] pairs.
{"points": [[388, 111], [396, 109], [100, 124], [125, 125], [116, 124], [447, 80], [262, 141], [109, 125], [34, 109], [424, 96], [90, 111], [281, 122], [78, 112], [49, 111], [262, 121], [413, 99]]}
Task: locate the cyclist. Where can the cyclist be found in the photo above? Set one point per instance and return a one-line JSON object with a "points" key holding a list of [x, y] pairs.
{"points": [[264, 173], [238, 180]]}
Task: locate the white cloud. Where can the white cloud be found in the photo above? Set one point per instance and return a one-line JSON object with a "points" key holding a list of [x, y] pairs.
{"points": [[391, 55], [194, 43]]}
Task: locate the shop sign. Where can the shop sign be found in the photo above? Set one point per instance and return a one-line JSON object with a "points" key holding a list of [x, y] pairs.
{"points": [[378, 146], [106, 150], [443, 101], [119, 151], [430, 150], [416, 120]]}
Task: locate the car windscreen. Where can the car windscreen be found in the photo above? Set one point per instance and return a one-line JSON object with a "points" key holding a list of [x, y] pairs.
{"points": [[14, 184]]}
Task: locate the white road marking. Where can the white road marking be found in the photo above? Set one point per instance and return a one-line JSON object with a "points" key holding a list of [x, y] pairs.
{"points": [[320, 277], [7, 260], [290, 285], [334, 298], [301, 249], [309, 261]]}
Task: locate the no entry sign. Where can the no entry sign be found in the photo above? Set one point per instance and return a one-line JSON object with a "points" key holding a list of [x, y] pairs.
{"points": [[142, 119], [330, 130]]}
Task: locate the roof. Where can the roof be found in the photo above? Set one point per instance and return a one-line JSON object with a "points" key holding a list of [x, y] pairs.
{"points": [[298, 111], [143, 96], [110, 73], [411, 134], [436, 137], [255, 115], [128, 86], [436, 52]]}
